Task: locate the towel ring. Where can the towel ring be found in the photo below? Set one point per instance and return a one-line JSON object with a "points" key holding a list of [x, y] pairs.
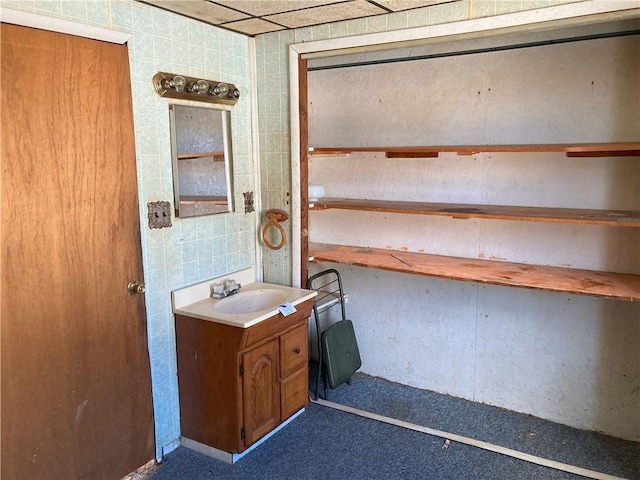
{"points": [[275, 216]]}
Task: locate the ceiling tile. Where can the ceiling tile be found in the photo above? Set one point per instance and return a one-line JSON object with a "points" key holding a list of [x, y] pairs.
{"points": [[205, 11], [398, 5], [253, 17], [253, 26], [268, 7], [326, 14]]}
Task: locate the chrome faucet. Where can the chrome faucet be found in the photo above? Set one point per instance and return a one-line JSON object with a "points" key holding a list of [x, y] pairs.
{"points": [[225, 289]]}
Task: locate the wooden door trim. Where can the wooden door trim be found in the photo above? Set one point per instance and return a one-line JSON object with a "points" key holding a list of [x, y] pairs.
{"points": [[42, 22], [303, 109]]}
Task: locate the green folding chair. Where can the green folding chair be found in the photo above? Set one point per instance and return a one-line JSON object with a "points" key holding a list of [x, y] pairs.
{"points": [[338, 353]]}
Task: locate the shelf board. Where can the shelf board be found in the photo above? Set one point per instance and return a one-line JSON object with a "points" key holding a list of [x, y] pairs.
{"points": [[571, 150], [613, 218], [217, 156], [618, 286], [216, 200]]}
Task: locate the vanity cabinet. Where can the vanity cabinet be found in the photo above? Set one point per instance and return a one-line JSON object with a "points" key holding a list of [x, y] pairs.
{"points": [[238, 384]]}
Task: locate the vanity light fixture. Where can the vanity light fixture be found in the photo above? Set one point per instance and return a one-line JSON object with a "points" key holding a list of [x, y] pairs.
{"points": [[193, 88]]}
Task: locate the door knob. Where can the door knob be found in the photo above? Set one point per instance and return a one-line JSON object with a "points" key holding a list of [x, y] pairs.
{"points": [[135, 287]]}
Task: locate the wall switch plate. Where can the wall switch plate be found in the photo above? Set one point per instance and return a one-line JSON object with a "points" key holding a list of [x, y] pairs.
{"points": [[159, 214]]}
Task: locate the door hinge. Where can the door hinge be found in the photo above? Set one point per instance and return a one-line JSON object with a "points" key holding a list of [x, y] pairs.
{"points": [[241, 369], [242, 433]]}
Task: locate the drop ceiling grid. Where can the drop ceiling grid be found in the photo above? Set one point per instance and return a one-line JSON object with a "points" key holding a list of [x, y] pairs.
{"points": [[264, 8], [253, 18], [327, 14]]}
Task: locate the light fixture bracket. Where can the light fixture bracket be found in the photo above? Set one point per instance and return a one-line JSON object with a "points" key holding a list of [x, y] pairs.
{"points": [[217, 92]]}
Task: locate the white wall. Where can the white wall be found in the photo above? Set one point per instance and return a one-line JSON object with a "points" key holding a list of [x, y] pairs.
{"points": [[568, 358]]}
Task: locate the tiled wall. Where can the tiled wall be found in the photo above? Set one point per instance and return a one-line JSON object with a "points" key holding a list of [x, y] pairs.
{"points": [[192, 250], [275, 157], [273, 92]]}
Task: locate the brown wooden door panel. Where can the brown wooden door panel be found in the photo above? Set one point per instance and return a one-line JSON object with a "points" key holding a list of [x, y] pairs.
{"points": [[260, 391], [76, 394]]}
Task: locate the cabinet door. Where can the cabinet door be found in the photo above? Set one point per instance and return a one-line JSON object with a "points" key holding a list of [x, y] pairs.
{"points": [[260, 391]]}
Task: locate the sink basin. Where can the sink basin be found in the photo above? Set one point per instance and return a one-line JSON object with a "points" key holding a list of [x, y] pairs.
{"points": [[250, 301]]}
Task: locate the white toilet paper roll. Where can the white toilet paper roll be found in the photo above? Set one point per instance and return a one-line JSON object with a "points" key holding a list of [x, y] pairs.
{"points": [[315, 192]]}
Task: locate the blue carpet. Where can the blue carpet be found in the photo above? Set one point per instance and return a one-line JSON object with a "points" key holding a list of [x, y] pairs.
{"points": [[502, 427], [328, 444]]}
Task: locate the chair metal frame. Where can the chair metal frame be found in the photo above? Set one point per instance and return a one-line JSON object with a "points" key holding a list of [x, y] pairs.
{"points": [[336, 296]]}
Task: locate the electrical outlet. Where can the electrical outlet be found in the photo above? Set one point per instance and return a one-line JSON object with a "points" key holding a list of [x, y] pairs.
{"points": [[346, 297]]}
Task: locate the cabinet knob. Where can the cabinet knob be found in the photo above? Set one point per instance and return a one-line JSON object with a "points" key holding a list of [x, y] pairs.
{"points": [[297, 350]]}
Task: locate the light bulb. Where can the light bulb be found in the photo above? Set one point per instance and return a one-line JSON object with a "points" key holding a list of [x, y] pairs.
{"points": [[221, 89], [201, 86], [178, 83]]}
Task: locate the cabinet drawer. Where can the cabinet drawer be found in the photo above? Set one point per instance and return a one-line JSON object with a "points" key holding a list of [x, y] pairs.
{"points": [[294, 392], [277, 324], [293, 350]]}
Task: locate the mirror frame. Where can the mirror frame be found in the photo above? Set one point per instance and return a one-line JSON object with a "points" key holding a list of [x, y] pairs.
{"points": [[228, 157]]}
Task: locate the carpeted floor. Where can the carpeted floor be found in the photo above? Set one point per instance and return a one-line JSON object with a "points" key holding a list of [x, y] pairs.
{"points": [[324, 443]]}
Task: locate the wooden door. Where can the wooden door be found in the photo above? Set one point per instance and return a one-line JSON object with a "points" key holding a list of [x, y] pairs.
{"points": [[76, 393], [260, 391]]}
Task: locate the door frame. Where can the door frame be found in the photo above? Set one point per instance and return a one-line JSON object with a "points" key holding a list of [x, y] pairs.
{"points": [[41, 22], [580, 13]]}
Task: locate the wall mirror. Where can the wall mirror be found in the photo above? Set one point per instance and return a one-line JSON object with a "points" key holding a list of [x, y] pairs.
{"points": [[202, 160]]}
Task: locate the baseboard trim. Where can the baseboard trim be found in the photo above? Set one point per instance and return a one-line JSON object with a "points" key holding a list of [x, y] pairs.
{"points": [[228, 457]]}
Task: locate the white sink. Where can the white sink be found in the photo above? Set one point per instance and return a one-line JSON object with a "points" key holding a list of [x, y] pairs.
{"points": [[251, 301], [255, 303]]}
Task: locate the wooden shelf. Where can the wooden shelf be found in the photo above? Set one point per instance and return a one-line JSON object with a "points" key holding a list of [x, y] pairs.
{"points": [[216, 200], [571, 150], [217, 156], [613, 218], [555, 279]]}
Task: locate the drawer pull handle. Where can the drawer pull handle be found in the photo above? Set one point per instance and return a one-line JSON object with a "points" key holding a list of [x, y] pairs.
{"points": [[297, 350]]}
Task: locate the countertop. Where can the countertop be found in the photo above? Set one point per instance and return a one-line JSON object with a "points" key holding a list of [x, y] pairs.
{"points": [[204, 308]]}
